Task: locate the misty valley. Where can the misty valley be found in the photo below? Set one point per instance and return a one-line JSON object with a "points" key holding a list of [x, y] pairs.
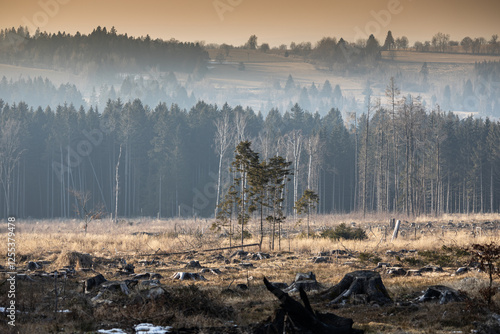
{"points": [[164, 186]]}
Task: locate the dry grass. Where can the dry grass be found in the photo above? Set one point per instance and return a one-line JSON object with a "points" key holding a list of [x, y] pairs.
{"points": [[74, 259], [149, 236], [64, 243]]}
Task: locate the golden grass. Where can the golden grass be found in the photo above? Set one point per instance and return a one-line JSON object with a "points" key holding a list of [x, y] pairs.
{"points": [[63, 243], [149, 236], [74, 259]]}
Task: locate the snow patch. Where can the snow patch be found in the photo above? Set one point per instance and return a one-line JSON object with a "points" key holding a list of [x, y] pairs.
{"points": [[144, 328], [111, 331], [151, 329]]}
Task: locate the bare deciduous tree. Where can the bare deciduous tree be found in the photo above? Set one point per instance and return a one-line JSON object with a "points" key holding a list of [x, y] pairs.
{"points": [[117, 188], [223, 139], [313, 149], [295, 140], [10, 154], [82, 209], [241, 124]]}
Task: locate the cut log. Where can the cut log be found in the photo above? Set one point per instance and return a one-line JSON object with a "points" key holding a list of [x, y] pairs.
{"points": [[293, 317], [362, 282], [202, 250]]}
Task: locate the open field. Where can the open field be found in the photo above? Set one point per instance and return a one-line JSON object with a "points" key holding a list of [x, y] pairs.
{"points": [[57, 77], [244, 55], [217, 304], [437, 57]]}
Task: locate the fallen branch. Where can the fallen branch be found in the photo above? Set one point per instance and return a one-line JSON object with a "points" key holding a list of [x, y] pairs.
{"points": [[202, 251]]}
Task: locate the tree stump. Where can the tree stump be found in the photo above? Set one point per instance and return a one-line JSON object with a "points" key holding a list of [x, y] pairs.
{"points": [[306, 281], [443, 294], [293, 317], [188, 276], [362, 286]]}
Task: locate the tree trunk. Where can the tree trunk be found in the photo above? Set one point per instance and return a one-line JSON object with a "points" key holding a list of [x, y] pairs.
{"points": [[491, 190], [117, 184]]}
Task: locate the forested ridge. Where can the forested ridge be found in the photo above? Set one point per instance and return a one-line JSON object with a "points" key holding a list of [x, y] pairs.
{"points": [[393, 157], [99, 53]]}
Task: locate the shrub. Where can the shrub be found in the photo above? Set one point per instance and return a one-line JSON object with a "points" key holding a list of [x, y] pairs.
{"points": [[413, 262], [488, 256], [437, 258], [369, 257], [344, 232], [303, 235], [246, 235]]}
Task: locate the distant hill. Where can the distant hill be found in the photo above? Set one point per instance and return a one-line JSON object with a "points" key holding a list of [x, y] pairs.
{"points": [[99, 53]]}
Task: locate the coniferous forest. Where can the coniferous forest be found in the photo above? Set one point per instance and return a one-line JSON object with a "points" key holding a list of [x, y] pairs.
{"points": [[398, 158], [132, 156], [99, 53]]}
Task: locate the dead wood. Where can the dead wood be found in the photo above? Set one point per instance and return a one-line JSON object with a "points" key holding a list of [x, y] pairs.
{"points": [[364, 285], [201, 251], [293, 317]]}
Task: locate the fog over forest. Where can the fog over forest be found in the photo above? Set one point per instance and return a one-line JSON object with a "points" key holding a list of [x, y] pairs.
{"points": [[146, 127]]}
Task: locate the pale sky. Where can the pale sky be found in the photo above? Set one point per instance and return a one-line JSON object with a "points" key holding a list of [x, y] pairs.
{"points": [[273, 21]]}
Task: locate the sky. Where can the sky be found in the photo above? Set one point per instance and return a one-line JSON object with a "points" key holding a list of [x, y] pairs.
{"points": [[273, 21]]}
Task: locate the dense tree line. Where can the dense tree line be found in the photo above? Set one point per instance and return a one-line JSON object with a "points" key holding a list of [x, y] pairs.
{"points": [[488, 70], [39, 91], [172, 161], [99, 53], [361, 55]]}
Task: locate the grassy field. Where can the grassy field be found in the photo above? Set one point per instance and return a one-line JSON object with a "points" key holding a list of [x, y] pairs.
{"points": [[57, 77], [436, 57], [150, 245], [145, 235]]}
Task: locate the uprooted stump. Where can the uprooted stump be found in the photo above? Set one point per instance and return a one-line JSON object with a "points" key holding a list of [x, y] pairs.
{"points": [[443, 294], [293, 317], [359, 287]]}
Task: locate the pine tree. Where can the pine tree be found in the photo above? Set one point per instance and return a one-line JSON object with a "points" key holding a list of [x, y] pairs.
{"points": [[389, 41], [278, 171], [245, 165], [306, 203]]}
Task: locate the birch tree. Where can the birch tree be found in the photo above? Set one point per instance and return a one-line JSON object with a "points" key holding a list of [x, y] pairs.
{"points": [[295, 142], [223, 139]]}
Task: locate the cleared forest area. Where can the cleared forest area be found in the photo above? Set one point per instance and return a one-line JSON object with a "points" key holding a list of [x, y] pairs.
{"points": [[148, 255]]}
